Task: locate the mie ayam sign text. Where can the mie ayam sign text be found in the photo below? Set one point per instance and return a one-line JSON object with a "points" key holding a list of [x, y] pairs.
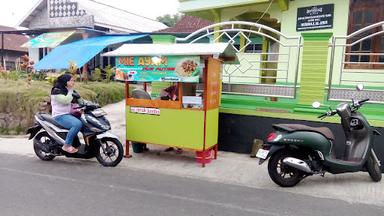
{"points": [[164, 68]]}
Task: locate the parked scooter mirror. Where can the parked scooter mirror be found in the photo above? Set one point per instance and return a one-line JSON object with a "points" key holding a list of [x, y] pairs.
{"points": [[360, 87], [316, 104]]}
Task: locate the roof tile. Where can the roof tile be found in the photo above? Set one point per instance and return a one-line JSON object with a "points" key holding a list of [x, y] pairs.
{"points": [[13, 41], [187, 24]]}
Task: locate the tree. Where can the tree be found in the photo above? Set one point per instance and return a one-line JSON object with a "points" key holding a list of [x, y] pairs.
{"points": [[169, 20], [26, 63]]}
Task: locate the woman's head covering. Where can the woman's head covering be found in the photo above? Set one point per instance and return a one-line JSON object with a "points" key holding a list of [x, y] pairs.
{"points": [[61, 83]]}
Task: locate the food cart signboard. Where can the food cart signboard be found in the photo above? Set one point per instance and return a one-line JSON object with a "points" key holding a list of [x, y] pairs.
{"points": [[213, 88], [164, 68], [315, 17]]}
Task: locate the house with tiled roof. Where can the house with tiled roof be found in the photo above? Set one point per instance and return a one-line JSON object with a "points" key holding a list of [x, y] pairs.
{"points": [[92, 14], [187, 24], [11, 49], [65, 21]]}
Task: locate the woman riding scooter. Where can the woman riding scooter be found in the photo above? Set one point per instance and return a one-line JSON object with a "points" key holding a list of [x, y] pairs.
{"points": [[61, 102]]}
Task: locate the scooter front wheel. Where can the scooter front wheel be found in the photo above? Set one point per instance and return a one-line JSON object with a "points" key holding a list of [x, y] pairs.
{"points": [[373, 169], [110, 152], [282, 174]]}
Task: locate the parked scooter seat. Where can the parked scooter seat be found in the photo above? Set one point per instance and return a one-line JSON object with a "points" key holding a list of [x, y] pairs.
{"points": [[48, 118], [299, 127]]}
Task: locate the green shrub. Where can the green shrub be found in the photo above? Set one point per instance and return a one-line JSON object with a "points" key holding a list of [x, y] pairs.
{"points": [[108, 73], [40, 76], [51, 79], [21, 100], [3, 75], [14, 75], [96, 76]]}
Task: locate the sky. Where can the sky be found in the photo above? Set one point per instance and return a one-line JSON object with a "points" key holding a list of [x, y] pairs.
{"points": [[12, 11]]}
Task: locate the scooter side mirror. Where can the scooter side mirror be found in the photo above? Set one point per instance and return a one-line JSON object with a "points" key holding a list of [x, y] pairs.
{"points": [[360, 87], [316, 104]]}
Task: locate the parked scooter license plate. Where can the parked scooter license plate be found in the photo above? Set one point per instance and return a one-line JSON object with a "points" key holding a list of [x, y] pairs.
{"points": [[262, 153]]}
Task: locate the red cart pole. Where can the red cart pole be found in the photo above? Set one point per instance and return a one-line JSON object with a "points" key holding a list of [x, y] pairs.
{"points": [[205, 75], [216, 149], [127, 155]]}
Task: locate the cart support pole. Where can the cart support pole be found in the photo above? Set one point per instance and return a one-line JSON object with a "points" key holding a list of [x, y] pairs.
{"points": [[127, 155], [216, 149]]}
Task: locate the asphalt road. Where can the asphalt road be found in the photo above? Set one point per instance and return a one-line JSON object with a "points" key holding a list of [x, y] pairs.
{"points": [[78, 187]]}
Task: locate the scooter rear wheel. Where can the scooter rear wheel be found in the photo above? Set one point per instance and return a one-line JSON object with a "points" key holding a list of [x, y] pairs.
{"points": [[281, 174], [373, 169], [41, 139]]}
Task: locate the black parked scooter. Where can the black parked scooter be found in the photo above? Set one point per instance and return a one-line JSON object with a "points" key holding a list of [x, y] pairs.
{"points": [[97, 142], [297, 151]]}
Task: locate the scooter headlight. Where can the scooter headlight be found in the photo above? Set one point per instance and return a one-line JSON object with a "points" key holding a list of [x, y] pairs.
{"points": [[105, 127]]}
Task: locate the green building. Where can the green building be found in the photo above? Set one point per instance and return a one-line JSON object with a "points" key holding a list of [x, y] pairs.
{"points": [[292, 53]]}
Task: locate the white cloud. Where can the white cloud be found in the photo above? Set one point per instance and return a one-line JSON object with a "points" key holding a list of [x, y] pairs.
{"points": [[11, 12]]}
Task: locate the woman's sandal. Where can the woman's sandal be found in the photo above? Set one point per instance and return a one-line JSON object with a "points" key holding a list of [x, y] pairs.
{"points": [[69, 149]]}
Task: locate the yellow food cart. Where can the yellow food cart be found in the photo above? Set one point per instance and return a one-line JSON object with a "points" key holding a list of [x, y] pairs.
{"points": [[186, 116]]}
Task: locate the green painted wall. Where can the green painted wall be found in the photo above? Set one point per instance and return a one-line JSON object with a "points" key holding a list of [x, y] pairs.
{"points": [[210, 9], [314, 67], [340, 20], [288, 27], [241, 73], [254, 105], [163, 39], [351, 76], [173, 127], [231, 12], [188, 6], [288, 24]]}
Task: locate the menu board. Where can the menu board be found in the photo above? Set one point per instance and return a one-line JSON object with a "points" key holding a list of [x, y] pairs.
{"points": [[155, 68]]}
